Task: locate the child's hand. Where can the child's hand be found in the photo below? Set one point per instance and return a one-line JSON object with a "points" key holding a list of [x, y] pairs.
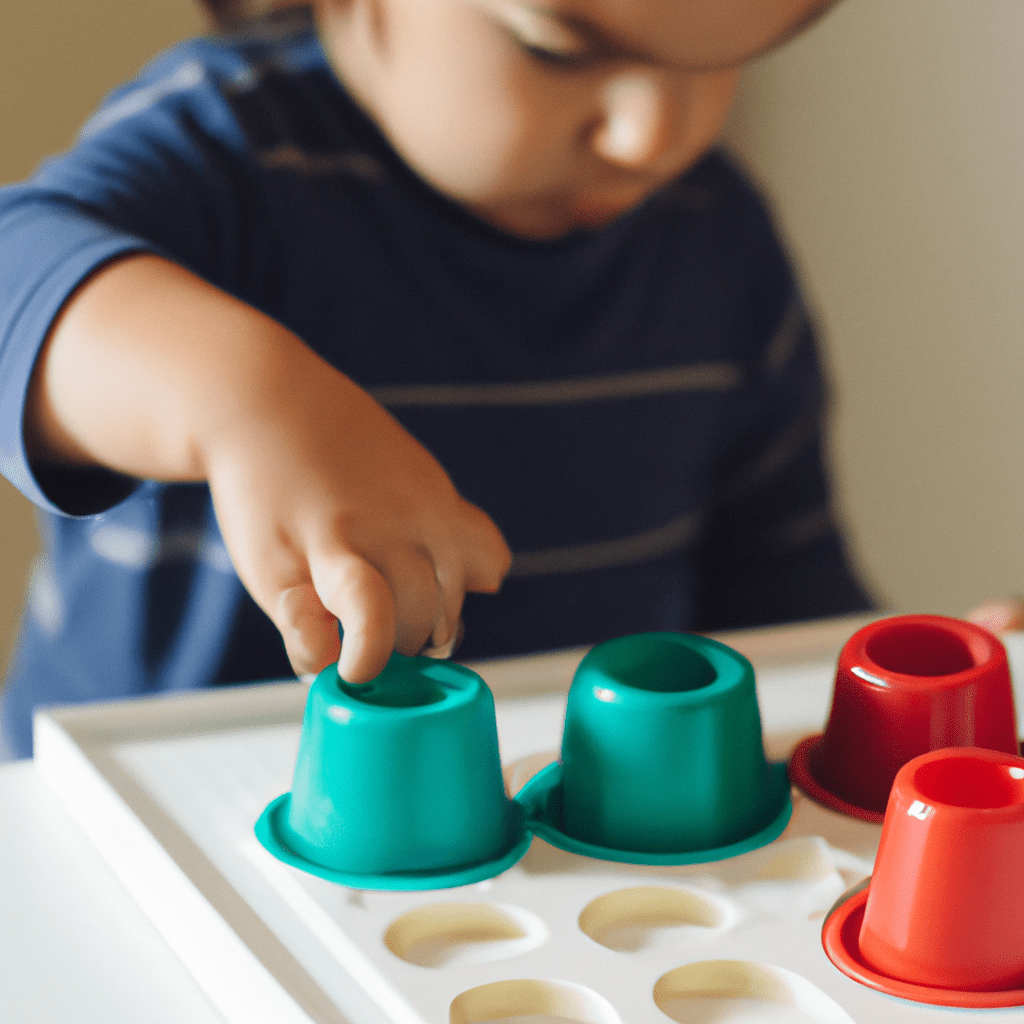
{"points": [[999, 616], [329, 508], [332, 511]]}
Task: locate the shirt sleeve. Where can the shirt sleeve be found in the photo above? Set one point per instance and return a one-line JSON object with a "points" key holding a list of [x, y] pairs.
{"points": [[147, 175], [46, 252]]}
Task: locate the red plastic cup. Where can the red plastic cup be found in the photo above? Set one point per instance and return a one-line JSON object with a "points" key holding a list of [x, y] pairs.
{"points": [[905, 686], [942, 920]]}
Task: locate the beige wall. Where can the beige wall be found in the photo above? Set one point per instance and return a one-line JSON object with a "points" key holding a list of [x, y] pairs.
{"points": [[892, 140], [57, 59]]}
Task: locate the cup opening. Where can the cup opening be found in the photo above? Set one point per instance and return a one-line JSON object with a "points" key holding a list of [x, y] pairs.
{"points": [[917, 649], [658, 665], [968, 782], [407, 692]]}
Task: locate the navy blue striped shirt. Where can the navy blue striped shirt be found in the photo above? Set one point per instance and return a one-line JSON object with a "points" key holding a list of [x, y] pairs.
{"points": [[639, 408]]}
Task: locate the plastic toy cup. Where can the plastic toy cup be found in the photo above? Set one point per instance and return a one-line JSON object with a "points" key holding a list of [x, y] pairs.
{"points": [[904, 686], [398, 782], [662, 748], [941, 920]]}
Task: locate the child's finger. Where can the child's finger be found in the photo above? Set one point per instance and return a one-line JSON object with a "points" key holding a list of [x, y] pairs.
{"points": [[309, 630], [445, 646], [479, 563], [488, 557], [419, 602], [443, 636], [361, 599]]}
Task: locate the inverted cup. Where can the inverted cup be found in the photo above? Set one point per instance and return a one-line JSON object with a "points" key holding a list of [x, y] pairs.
{"points": [[662, 758], [905, 686], [398, 782], [941, 920]]}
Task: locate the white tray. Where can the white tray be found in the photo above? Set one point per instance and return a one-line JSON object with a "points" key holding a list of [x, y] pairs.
{"points": [[169, 789]]}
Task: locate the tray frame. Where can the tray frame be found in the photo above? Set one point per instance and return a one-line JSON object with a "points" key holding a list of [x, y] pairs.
{"points": [[236, 958]]}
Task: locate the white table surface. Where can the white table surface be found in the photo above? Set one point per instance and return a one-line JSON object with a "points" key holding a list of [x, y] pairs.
{"points": [[74, 947]]}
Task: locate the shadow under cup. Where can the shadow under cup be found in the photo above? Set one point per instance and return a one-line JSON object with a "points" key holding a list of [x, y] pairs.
{"points": [[662, 749], [905, 686]]}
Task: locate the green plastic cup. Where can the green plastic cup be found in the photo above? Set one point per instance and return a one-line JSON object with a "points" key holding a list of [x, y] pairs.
{"points": [[662, 751], [398, 782]]}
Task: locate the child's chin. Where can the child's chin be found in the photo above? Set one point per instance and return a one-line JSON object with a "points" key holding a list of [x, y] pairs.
{"points": [[554, 222], [560, 227], [595, 214]]}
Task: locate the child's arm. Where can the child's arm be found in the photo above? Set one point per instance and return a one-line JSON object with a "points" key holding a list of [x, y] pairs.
{"points": [[329, 508], [999, 616]]}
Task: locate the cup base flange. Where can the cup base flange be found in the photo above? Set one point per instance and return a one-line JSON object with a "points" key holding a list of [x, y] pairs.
{"points": [[804, 780], [269, 832], [541, 801], [840, 937]]}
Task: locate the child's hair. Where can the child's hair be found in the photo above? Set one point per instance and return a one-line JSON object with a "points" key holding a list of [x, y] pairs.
{"points": [[227, 14]]}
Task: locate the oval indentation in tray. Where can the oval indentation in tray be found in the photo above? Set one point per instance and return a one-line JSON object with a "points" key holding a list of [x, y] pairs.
{"points": [[530, 1001], [459, 934], [798, 875], [650, 916], [804, 859], [743, 992]]}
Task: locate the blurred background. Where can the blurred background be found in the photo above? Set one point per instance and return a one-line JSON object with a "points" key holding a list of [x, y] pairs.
{"points": [[890, 140]]}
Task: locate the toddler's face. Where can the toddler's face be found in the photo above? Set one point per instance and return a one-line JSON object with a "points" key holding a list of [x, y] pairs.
{"points": [[543, 116]]}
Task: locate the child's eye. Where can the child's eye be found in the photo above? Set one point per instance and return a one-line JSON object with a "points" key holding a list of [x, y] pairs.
{"points": [[557, 58]]}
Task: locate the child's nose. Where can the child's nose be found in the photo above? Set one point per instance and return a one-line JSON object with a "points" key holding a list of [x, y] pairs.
{"points": [[635, 127], [654, 120]]}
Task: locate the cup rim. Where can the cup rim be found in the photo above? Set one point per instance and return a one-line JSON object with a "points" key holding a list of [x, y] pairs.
{"points": [[731, 669], [269, 833], [954, 811], [461, 686], [854, 653], [542, 794], [840, 935]]}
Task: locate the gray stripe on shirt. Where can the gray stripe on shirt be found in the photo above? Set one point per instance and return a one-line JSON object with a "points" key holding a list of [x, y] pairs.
{"points": [[140, 549], [786, 339], [786, 447], [352, 162], [610, 554], [808, 528], [642, 383]]}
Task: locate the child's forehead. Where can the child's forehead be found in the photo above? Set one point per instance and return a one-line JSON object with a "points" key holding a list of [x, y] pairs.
{"points": [[689, 33]]}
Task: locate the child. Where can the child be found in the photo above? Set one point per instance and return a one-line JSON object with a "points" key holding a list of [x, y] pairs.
{"points": [[282, 273]]}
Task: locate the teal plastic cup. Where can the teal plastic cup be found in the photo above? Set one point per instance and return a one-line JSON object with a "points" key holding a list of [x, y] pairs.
{"points": [[662, 756], [397, 782]]}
